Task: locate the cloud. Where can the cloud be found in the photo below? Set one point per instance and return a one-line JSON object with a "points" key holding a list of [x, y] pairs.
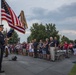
{"points": [[68, 20], [11, 0], [60, 12], [30, 22], [64, 17], [55, 15], [71, 32]]}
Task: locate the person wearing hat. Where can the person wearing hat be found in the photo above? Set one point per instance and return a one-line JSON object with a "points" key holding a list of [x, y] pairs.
{"points": [[2, 42]]}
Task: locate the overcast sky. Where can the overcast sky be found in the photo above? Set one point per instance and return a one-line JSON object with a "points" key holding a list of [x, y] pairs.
{"points": [[60, 12]]}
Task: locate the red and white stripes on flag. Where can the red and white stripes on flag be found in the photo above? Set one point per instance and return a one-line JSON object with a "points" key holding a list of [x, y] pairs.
{"points": [[8, 14]]}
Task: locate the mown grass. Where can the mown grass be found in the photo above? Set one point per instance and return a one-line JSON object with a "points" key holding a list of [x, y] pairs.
{"points": [[73, 71]]}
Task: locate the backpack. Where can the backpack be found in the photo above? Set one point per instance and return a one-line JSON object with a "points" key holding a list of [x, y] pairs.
{"points": [[14, 58]]}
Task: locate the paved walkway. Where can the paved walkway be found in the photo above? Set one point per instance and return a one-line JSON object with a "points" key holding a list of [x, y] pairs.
{"points": [[26, 65]]}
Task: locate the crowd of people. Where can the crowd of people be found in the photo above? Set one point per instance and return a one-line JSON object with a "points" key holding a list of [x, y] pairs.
{"points": [[42, 49]]}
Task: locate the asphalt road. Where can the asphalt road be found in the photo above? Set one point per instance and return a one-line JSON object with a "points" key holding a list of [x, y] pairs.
{"points": [[26, 65]]}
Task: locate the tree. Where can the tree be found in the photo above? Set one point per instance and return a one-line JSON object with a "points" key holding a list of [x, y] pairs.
{"points": [[37, 31], [51, 30], [40, 31], [64, 38], [75, 40]]}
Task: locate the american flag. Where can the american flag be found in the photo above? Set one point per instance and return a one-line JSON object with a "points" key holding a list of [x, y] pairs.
{"points": [[8, 14]]}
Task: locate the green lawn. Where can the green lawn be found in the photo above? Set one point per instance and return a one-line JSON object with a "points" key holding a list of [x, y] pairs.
{"points": [[73, 71]]}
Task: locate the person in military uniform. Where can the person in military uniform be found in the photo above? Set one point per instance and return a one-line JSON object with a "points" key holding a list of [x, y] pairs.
{"points": [[2, 42]]}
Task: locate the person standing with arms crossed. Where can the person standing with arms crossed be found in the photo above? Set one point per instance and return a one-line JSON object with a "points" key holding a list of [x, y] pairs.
{"points": [[2, 42]]}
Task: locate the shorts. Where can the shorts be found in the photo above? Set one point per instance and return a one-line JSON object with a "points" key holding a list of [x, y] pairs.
{"points": [[24, 50], [40, 50], [74, 49], [47, 52], [31, 50], [43, 52]]}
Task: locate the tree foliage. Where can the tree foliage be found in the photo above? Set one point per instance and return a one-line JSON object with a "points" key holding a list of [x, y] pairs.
{"points": [[14, 39], [40, 31], [64, 38]]}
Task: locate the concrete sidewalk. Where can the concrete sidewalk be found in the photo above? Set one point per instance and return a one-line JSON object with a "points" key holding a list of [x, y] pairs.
{"points": [[26, 65]]}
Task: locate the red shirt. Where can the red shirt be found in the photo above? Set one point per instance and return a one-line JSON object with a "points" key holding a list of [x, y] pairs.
{"points": [[70, 45], [66, 46]]}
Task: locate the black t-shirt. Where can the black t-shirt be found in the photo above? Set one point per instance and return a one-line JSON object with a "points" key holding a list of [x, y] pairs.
{"points": [[40, 45], [35, 44], [47, 45], [74, 46], [56, 42], [52, 43]]}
